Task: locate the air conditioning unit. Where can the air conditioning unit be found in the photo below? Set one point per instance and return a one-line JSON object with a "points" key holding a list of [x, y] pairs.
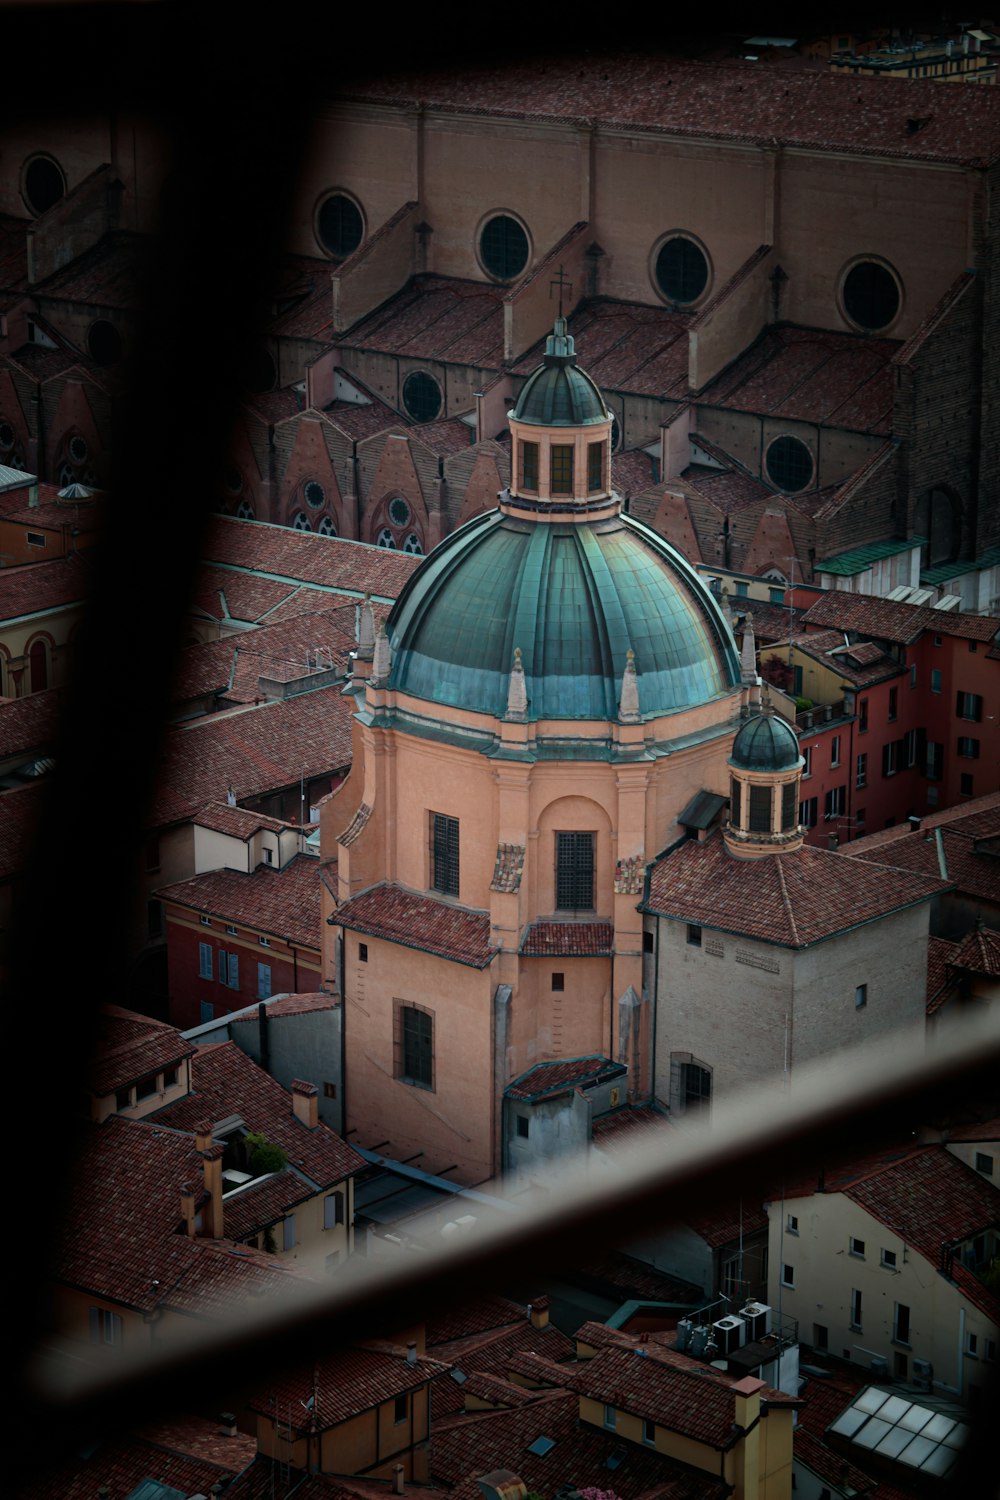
{"points": [[879, 1365], [730, 1334], [758, 1320], [923, 1373]]}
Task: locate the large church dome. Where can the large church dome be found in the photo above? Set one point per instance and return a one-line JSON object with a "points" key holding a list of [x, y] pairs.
{"points": [[575, 597]]}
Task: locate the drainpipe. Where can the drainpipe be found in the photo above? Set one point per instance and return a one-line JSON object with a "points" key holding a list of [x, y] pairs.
{"points": [[342, 966]]}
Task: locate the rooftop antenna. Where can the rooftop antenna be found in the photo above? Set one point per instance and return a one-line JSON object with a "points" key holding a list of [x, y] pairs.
{"points": [[562, 282]]}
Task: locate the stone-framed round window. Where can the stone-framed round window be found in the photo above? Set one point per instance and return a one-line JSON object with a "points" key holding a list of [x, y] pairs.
{"points": [[871, 295], [385, 538], [503, 247], [399, 511], [104, 343], [421, 396], [301, 522], [43, 183], [7, 437], [681, 271], [326, 526], [314, 494], [789, 465], [412, 545], [340, 225], [78, 449]]}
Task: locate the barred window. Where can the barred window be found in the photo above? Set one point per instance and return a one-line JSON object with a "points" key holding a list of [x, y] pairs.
{"points": [[415, 1046], [561, 469], [445, 854], [574, 871]]}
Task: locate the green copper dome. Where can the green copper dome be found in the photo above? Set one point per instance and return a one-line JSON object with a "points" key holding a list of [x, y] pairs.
{"points": [[574, 598], [558, 393], [765, 743]]}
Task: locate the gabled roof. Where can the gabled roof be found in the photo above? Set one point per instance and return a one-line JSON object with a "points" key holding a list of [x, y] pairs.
{"points": [[397, 916], [892, 620], [131, 1047], [928, 1198], [979, 952], [795, 899], [638, 1381], [226, 1082], [282, 903], [547, 1079], [961, 844], [438, 317], [237, 822], [347, 1383], [284, 555], [34, 587], [568, 940]]}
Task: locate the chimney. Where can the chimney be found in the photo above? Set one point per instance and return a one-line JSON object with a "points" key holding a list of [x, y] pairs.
{"points": [[212, 1212], [227, 1423], [398, 1488], [189, 1199], [538, 1312], [748, 1456], [914, 822], [202, 1135], [411, 1354], [305, 1102]]}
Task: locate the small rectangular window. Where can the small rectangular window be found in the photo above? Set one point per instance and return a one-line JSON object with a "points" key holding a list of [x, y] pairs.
{"points": [[205, 961], [792, 1224], [984, 1163], [901, 1324], [207, 1011], [123, 1099], [268, 856], [808, 812], [444, 854], [574, 871], [234, 971], [856, 1247], [528, 479], [788, 1276], [399, 1409], [647, 942], [936, 676], [169, 1077], [833, 805], [694, 935], [807, 756], [333, 1210], [205, 921], [734, 800], [415, 1060], [969, 706], [362, 953], [968, 748], [648, 1431], [973, 646], [263, 981], [232, 931], [835, 752], [558, 982], [777, 596], [893, 704], [863, 716], [856, 1309], [860, 996], [595, 467], [36, 539], [966, 784], [890, 758], [913, 675], [610, 1418], [760, 809], [288, 1233], [329, 1091], [264, 942], [910, 742], [862, 771], [889, 1259], [561, 469], [972, 1345], [523, 1127], [821, 1336]]}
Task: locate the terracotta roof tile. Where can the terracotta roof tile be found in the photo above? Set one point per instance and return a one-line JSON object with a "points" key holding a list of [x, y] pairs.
{"points": [[495, 1353], [225, 1082], [29, 725], [199, 1438], [252, 750], [120, 1464], [398, 916], [349, 1382], [465, 1447], [130, 1047], [483, 1315], [263, 1203], [727, 1224], [281, 903], [939, 955], [979, 1130], [303, 557], [495, 1389], [729, 490], [729, 102], [438, 317], [979, 952], [973, 868], [444, 437], [626, 346], [891, 620], [236, 821], [622, 1127], [568, 940], [106, 275], [624, 1277], [547, 1079], [28, 589], [293, 1005], [793, 899], [360, 421], [682, 1400]]}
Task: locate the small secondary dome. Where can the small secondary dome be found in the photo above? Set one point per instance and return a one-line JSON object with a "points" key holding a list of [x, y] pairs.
{"points": [[559, 393], [765, 743]]}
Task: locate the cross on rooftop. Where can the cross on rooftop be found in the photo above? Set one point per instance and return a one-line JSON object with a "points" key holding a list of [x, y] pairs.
{"points": [[562, 282]]}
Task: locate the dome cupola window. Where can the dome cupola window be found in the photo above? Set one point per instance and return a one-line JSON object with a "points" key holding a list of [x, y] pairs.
{"points": [[766, 765]]}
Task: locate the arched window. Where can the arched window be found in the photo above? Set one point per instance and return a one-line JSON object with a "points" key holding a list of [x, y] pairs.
{"points": [[245, 510], [38, 665], [301, 522], [396, 527], [385, 538], [326, 526]]}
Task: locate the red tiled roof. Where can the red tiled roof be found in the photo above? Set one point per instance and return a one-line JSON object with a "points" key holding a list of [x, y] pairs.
{"points": [[495, 1389], [281, 903], [729, 490], [974, 870], [548, 1078], [226, 594], [465, 1447], [348, 1383], [615, 1273], [236, 821], [444, 437], [199, 1438], [495, 1353], [623, 1126], [118, 1238], [361, 421], [303, 557], [927, 1198], [119, 1464], [293, 1005], [438, 317], [626, 346], [729, 102], [130, 1047], [863, 664], [986, 1130], [728, 1224], [568, 940], [226, 1082], [793, 899], [202, 670], [262, 1203], [683, 1401], [977, 819], [892, 620], [979, 952], [484, 1315], [252, 750], [29, 589], [632, 472], [107, 275], [398, 916], [20, 810], [28, 725]]}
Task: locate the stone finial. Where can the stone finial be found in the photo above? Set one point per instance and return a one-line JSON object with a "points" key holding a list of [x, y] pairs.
{"points": [[382, 662], [366, 630], [517, 691], [748, 655], [628, 707]]}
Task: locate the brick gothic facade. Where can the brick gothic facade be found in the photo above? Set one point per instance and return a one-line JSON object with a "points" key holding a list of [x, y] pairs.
{"points": [[785, 283]]}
